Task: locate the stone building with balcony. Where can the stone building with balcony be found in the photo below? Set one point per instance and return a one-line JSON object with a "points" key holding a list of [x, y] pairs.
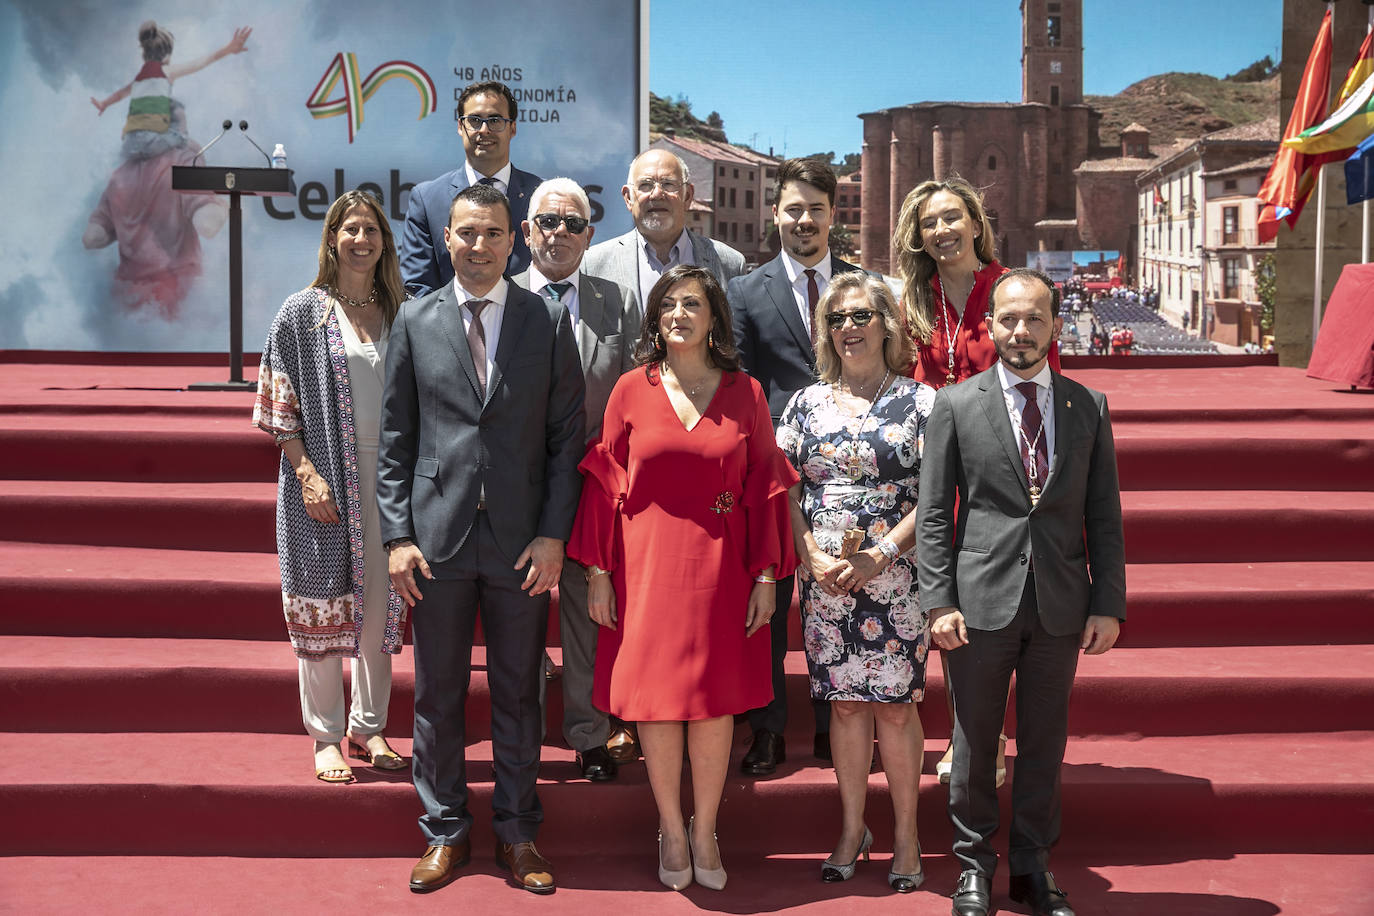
{"points": [[1192, 245]]}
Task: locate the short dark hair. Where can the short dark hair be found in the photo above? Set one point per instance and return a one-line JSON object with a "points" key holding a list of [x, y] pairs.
{"points": [[1023, 273], [810, 170], [492, 86], [721, 350], [483, 195]]}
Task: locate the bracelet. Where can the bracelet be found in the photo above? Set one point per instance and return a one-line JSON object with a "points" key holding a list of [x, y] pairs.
{"points": [[396, 542], [287, 437], [889, 548], [594, 570], [764, 579]]}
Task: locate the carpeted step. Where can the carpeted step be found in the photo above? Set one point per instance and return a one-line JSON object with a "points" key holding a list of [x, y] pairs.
{"points": [[164, 792], [1161, 525], [1166, 880], [93, 684], [77, 590], [135, 449]]}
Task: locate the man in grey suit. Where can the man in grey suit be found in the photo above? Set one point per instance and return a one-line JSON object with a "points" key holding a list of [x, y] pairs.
{"points": [[605, 320], [482, 432], [1029, 572], [771, 310], [487, 118], [657, 193]]}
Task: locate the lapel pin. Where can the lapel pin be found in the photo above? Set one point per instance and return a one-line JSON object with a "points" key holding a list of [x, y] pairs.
{"points": [[1068, 403]]}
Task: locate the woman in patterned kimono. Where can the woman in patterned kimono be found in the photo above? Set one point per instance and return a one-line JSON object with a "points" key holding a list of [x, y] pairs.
{"points": [[320, 396], [855, 438]]}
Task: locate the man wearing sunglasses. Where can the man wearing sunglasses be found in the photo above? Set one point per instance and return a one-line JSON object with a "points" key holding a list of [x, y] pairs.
{"points": [[657, 193], [487, 115], [605, 320], [772, 311]]}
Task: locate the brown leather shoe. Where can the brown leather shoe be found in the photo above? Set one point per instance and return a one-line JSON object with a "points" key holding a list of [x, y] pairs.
{"points": [[439, 865], [623, 745], [531, 871]]}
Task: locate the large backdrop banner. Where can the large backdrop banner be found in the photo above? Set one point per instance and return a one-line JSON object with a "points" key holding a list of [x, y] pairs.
{"points": [[101, 254]]}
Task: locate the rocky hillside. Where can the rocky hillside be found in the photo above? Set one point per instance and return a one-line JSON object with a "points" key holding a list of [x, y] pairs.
{"points": [[1176, 105]]}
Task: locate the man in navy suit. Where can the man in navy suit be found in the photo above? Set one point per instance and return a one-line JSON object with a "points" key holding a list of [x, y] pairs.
{"points": [[772, 311], [486, 121], [482, 431]]}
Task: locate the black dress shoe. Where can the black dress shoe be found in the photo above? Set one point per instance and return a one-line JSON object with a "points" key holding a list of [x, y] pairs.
{"points": [[597, 764], [763, 758], [1039, 891], [973, 895], [821, 747]]}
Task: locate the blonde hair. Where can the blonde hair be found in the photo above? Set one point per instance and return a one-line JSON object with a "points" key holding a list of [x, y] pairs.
{"points": [[387, 277], [897, 347], [915, 266]]}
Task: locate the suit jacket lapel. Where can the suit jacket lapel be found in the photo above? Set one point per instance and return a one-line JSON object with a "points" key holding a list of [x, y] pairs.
{"points": [[591, 309], [1064, 417], [780, 291], [995, 408], [704, 253], [451, 319], [512, 324]]}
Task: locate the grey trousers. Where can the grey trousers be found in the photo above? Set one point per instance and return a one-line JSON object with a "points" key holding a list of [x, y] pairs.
{"points": [[584, 726], [979, 675]]}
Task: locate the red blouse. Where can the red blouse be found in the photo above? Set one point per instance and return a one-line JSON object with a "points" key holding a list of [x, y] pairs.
{"points": [[973, 348]]}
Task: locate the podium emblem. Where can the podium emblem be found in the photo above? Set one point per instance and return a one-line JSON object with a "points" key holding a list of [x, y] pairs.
{"points": [[229, 181]]}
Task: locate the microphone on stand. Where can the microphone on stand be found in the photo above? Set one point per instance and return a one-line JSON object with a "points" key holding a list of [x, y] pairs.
{"points": [[243, 126], [223, 130]]}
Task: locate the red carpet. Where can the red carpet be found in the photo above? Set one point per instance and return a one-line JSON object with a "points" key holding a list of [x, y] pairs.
{"points": [[154, 759]]}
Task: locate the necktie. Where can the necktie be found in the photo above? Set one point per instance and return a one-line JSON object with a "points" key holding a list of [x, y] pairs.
{"points": [[477, 343], [557, 291], [1032, 437], [813, 294]]}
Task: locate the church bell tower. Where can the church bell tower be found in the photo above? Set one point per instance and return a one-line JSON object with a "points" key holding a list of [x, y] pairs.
{"points": [[1052, 52]]}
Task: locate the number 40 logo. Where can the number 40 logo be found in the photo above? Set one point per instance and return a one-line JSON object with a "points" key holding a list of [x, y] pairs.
{"points": [[344, 67]]}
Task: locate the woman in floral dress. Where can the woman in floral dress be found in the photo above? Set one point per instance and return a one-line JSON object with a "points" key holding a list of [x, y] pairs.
{"points": [[855, 438]]}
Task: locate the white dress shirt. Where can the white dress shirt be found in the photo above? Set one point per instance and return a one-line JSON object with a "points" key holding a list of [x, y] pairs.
{"points": [[570, 298], [651, 268], [796, 275], [502, 177], [1044, 389], [492, 315]]}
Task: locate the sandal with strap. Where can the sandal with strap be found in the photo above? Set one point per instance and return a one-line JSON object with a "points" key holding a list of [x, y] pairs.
{"points": [[382, 757], [330, 765]]}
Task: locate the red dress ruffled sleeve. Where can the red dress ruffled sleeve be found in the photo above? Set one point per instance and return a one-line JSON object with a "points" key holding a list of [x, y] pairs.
{"points": [[768, 477]]}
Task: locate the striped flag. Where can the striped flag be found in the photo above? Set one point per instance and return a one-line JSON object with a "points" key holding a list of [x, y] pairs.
{"points": [[1353, 119], [1292, 176]]}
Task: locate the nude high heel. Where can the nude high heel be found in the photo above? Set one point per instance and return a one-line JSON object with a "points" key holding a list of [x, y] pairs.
{"points": [[711, 878], [673, 880]]}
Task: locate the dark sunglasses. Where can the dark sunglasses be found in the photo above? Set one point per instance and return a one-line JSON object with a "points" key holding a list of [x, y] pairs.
{"points": [[860, 317], [549, 222]]}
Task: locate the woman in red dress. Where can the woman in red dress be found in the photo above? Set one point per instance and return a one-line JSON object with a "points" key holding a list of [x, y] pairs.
{"points": [[684, 529], [946, 258]]}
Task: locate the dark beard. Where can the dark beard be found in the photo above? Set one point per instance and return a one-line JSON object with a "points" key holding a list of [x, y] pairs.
{"points": [[1020, 360]]}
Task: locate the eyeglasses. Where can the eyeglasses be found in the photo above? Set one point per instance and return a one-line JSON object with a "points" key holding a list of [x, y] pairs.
{"points": [[666, 185], [496, 125], [549, 222], [860, 317]]}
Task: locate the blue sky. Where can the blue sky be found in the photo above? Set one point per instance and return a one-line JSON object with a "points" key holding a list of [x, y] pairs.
{"points": [[794, 75]]}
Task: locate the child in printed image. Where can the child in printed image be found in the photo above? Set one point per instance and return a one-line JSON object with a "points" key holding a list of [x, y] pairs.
{"points": [[157, 228]]}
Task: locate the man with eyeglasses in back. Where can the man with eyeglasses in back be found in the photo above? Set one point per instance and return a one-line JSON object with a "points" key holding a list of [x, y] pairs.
{"points": [[605, 321], [486, 121], [657, 193]]}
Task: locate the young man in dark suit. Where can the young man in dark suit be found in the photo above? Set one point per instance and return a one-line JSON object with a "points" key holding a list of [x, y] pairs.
{"points": [[772, 313], [1021, 565], [482, 431]]}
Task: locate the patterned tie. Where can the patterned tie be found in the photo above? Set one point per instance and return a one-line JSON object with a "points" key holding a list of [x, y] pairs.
{"points": [[557, 291], [813, 294], [1031, 432], [477, 343]]}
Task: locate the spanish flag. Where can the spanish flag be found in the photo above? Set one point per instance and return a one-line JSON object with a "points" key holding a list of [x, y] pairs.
{"points": [[1353, 119], [1292, 176]]}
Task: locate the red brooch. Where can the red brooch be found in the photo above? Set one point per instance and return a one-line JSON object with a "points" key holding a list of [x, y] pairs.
{"points": [[725, 502]]}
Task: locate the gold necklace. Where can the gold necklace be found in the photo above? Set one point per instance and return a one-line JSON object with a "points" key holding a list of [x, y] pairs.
{"points": [[354, 303]]}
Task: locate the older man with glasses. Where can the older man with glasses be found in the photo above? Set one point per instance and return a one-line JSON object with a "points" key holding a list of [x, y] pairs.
{"points": [[657, 193], [486, 122], [605, 320]]}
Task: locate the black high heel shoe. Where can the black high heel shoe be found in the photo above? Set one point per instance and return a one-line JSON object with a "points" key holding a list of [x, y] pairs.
{"points": [[832, 872]]}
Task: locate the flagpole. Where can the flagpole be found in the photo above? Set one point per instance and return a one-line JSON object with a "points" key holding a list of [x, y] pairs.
{"points": [[1364, 207], [1321, 246]]}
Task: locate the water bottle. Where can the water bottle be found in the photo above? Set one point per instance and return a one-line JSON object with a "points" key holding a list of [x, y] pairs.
{"points": [[279, 157]]}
